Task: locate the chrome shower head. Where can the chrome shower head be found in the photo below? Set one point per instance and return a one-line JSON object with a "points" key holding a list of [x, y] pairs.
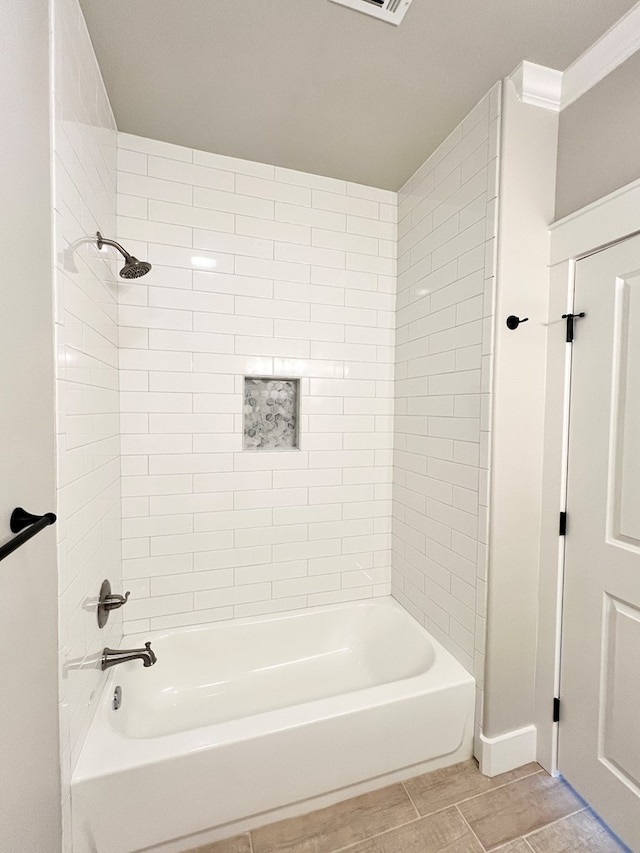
{"points": [[133, 268]]}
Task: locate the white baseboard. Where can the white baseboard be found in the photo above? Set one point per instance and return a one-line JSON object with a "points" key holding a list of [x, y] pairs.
{"points": [[507, 751]]}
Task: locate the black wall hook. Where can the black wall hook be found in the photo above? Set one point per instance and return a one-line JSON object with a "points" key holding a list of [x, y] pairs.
{"points": [[513, 322]]}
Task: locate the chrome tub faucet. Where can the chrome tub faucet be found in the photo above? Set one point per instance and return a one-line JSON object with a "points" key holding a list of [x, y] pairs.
{"points": [[111, 657]]}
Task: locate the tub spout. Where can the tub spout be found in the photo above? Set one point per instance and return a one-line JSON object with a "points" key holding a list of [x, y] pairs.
{"points": [[111, 657]]}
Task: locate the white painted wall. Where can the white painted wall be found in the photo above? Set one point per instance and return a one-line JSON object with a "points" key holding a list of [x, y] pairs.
{"points": [[86, 340], [528, 161], [267, 272], [598, 145], [30, 780], [447, 231]]}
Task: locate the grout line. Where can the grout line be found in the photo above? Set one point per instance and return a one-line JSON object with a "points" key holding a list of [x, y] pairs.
{"points": [[554, 822], [410, 799], [488, 791], [471, 830], [376, 835], [534, 832], [251, 842], [372, 837], [497, 788]]}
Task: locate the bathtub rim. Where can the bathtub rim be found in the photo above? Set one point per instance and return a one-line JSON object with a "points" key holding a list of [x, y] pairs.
{"points": [[384, 601]]}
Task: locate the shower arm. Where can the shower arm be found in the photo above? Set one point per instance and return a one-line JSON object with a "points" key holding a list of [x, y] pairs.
{"points": [[103, 241]]}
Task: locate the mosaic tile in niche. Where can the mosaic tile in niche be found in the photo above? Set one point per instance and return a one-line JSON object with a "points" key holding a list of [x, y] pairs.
{"points": [[270, 413]]}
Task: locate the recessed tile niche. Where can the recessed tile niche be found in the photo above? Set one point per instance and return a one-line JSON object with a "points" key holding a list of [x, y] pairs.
{"points": [[270, 413]]}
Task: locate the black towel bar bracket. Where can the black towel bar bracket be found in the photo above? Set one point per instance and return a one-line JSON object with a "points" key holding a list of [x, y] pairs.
{"points": [[26, 525]]}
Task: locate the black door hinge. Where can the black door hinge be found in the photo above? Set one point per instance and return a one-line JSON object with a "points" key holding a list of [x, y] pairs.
{"points": [[556, 710], [570, 318], [562, 530]]}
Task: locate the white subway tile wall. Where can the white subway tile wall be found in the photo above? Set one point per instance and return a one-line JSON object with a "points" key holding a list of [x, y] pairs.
{"points": [[258, 271], [88, 427], [446, 277]]}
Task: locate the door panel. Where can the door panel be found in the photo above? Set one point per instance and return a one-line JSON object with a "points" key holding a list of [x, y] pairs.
{"points": [[626, 413], [620, 725], [599, 741]]}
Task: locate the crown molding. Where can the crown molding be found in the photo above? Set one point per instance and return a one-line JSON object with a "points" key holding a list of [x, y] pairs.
{"points": [[538, 85], [556, 90], [603, 57]]}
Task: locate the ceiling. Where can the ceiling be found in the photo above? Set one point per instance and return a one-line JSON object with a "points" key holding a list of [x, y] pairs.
{"points": [[318, 87]]}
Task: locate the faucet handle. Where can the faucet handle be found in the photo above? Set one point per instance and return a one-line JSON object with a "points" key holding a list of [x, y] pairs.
{"points": [[109, 601], [152, 657], [114, 601]]}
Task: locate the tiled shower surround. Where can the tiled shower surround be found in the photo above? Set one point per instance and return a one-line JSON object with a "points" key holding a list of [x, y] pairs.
{"points": [[257, 272], [446, 276], [261, 272], [86, 334]]}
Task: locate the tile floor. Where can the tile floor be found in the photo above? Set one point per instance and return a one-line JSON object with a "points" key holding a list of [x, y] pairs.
{"points": [[454, 810]]}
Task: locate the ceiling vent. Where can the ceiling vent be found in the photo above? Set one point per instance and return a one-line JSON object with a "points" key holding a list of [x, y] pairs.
{"points": [[391, 11]]}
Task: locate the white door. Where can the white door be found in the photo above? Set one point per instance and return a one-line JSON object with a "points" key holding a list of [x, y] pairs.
{"points": [[599, 740]]}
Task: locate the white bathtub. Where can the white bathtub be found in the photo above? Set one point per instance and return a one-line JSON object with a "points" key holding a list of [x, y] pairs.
{"points": [[242, 722]]}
